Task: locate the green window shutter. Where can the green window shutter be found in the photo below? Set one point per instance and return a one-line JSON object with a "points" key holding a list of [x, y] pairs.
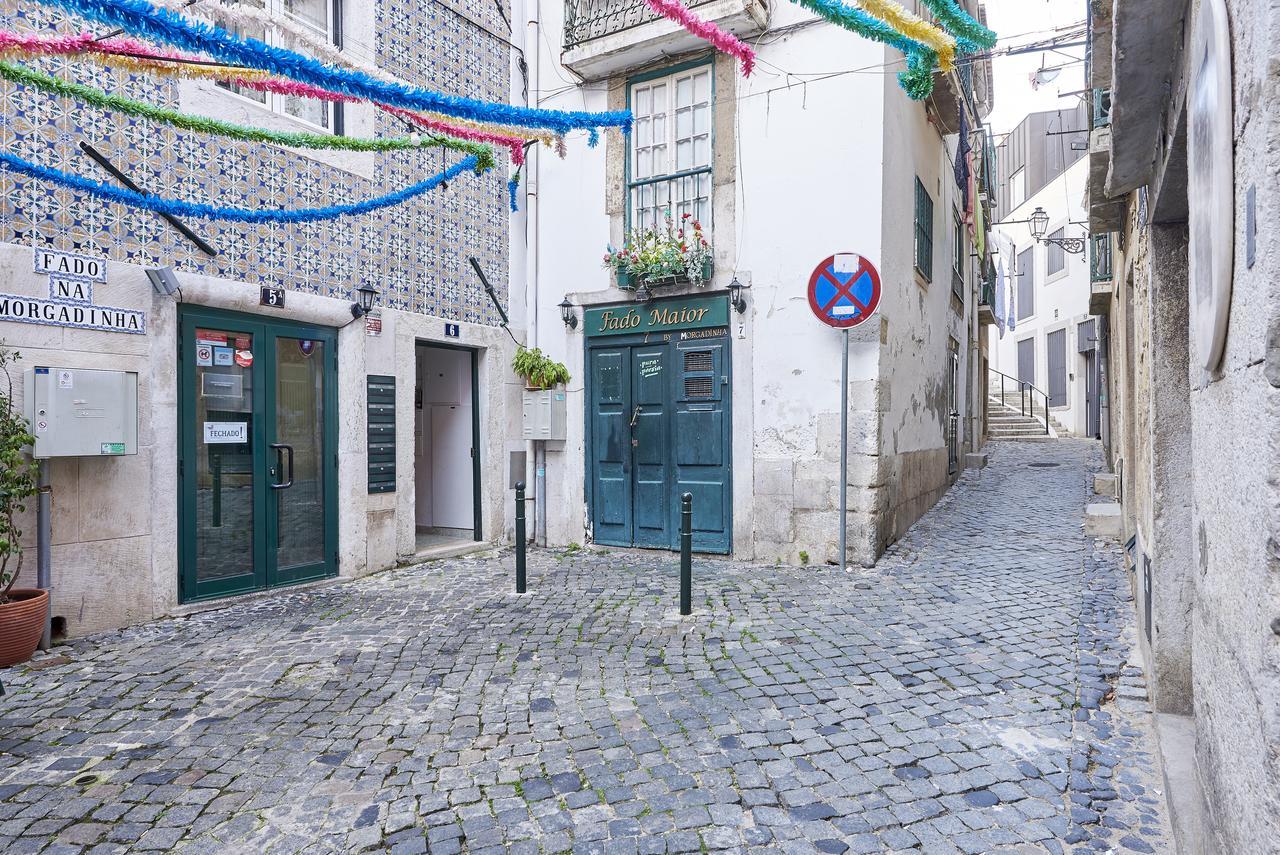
{"points": [[924, 232]]}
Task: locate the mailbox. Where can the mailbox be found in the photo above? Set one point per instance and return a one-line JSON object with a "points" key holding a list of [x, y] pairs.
{"points": [[544, 415], [82, 412]]}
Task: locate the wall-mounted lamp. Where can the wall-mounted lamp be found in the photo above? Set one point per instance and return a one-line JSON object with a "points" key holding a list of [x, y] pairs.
{"points": [[367, 296], [567, 315], [736, 299], [642, 293], [1039, 224]]}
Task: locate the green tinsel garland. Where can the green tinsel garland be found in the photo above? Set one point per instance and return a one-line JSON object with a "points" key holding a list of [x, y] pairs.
{"points": [[203, 124]]}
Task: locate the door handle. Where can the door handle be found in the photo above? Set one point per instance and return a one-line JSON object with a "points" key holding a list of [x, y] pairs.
{"points": [[636, 415], [286, 449]]}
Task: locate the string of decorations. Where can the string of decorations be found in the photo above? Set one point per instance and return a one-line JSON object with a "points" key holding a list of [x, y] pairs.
{"points": [[140, 57], [300, 36], [723, 41], [915, 28], [971, 35], [917, 80], [180, 208], [202, 124], [144, 20]]}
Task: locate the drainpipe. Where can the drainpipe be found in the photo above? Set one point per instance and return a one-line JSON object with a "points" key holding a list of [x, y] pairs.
{"points": [[44, 536], [533, 54]]}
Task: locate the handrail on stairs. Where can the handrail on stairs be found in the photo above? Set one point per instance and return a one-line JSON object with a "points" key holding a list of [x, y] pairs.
{"points": [[1026, 394]]}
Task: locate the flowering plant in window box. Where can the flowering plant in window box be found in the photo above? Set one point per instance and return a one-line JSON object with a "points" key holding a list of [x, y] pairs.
{"points": [[676, 254]]}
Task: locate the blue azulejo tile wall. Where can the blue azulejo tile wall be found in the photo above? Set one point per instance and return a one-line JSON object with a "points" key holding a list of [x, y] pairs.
{"points": [[414, 254]]}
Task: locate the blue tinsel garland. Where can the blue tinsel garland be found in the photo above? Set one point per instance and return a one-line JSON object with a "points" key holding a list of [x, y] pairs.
{"points": [[970, 35], [179, 208], [146, 21]]}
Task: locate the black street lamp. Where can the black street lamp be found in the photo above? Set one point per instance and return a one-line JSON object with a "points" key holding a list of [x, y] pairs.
{"points": [[736, 299], [567, 315], [1039, 224], [367, 296]]}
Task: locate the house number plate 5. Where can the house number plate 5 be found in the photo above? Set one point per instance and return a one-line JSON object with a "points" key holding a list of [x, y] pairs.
{"points": [[273, 297]]}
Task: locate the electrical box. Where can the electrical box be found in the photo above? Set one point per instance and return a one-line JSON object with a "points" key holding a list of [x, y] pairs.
{"points": [[82, 412], [545, 415]]}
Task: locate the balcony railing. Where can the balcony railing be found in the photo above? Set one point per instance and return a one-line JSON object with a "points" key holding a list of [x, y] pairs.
{"points": [[585, 20], [1101, 108], [655, 201], [1100, 258]]}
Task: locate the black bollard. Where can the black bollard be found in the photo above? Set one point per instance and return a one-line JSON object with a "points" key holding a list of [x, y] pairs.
{"points": [[686, 554], [520, 538]]}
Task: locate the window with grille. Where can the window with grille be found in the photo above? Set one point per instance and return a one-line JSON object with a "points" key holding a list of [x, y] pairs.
{"points": [[924, 232], [1057, 261], [669, 167], [322, 16]]}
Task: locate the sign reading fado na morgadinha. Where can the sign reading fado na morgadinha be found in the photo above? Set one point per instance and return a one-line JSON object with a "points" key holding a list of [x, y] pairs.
{"points": [[662, 316], [70, 301]]}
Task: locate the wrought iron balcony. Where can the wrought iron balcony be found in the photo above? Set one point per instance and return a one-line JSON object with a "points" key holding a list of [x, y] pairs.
{"points": [[585, 20], [1101, 276], [1101, 108], [605, 37]]}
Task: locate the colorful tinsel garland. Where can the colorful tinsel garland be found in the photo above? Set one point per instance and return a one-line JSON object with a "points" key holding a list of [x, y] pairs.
{"points": [[180, 208], [917, 80], [960, 24], [707, 31], [145, 21], [202, 124], [942, 43]]}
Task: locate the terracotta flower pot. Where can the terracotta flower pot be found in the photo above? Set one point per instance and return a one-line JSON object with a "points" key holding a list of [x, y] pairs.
{"points": [[22, 622]]}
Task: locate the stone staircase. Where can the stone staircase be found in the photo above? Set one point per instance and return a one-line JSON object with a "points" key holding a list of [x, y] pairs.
{"points": [[1005, 421]]}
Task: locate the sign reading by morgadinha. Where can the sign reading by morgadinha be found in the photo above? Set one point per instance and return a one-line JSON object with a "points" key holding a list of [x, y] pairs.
{"points": [[660, 316]]}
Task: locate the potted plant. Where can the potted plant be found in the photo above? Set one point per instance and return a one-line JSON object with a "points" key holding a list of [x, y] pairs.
{"points": [[540, 372], [668, 256], [23, 612]]}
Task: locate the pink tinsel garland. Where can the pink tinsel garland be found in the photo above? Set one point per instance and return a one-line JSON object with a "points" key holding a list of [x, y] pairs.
{"points": [[707, 31], [124, 46]]}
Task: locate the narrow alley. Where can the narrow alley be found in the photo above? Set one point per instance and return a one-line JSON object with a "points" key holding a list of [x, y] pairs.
{"points": [[972, 693]]}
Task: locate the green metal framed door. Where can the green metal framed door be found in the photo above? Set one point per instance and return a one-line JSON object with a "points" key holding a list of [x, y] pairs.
{"points": [[609, 415], [650, 437], [257, 453]]}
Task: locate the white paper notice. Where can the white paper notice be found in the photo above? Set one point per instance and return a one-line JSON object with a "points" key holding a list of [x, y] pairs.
{"points": [[235, 433], [847, 262], [844, 310]]}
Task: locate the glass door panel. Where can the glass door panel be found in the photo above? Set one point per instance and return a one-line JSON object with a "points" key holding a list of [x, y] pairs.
{"points": [[223, 469], [298, 466]]}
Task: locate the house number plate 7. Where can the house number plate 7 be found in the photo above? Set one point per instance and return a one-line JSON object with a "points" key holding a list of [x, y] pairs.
{"points": [[273, 297]]}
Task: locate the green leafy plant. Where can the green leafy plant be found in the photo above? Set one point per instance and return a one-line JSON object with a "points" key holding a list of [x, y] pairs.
{"points": [[17, 477], [658, 255], [538, 370]]}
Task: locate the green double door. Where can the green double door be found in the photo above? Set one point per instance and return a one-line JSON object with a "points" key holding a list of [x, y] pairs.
{"points": [[257, 453], [658, 427]]}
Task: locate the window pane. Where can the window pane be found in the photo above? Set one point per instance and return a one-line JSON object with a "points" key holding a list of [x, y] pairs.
{"points": [[1057, 261], [314, 13], [308, 109], [684, 91], [702, 87]]}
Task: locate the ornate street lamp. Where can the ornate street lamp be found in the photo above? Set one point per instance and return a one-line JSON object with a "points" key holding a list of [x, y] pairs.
{"points": [[567, 315], [736, 299], [1039, 223], [364, 304]]}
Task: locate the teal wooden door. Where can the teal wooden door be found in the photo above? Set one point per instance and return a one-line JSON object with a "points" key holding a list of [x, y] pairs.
{"points": [[658, 425], [702, 464], [257, 453], [609, 415]]}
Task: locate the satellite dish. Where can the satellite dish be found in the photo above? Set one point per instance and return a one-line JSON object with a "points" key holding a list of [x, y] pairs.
{"points": [[1211, 184]]}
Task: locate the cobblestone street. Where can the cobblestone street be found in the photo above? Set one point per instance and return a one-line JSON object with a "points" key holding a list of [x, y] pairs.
{"points": [[971, 693]]}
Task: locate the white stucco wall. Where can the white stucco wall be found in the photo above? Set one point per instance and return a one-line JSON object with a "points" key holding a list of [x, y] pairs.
{"points": [[1061, 301]]}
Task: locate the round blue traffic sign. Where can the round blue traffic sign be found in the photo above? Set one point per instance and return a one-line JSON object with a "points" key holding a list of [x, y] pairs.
{"points": [[844, 290]]}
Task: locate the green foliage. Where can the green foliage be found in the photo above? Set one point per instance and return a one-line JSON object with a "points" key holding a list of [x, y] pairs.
{"points": [[538, 370], [804, 558], [17, 477]]}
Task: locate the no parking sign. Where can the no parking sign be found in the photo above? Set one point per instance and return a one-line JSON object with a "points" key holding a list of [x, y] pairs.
{"points": [[844, 290]]}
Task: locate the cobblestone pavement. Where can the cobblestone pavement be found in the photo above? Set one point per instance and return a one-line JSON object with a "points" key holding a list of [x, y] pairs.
{"points": [[971, 693]]}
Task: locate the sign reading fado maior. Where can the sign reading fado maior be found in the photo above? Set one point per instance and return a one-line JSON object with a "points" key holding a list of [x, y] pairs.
{"points": [[662, 316]]}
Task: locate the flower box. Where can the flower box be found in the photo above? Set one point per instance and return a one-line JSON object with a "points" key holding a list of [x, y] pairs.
{"points": [[624, 280], [662, 257]]}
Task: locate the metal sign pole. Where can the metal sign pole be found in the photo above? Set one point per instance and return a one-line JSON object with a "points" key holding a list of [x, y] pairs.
{"points": [[844, 450]]}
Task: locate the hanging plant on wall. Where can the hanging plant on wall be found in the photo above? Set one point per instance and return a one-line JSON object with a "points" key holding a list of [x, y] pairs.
{"points": [[663, 256], [538, 370], [22, 612]]}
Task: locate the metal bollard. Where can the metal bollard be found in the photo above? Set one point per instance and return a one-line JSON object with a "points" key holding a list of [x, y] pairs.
{"points": [[686, 554], [520, 538]]}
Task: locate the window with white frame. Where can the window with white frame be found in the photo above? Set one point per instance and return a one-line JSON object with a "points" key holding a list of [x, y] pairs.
{"points": [[669, 168], [322, 16], [1017, 189]]}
